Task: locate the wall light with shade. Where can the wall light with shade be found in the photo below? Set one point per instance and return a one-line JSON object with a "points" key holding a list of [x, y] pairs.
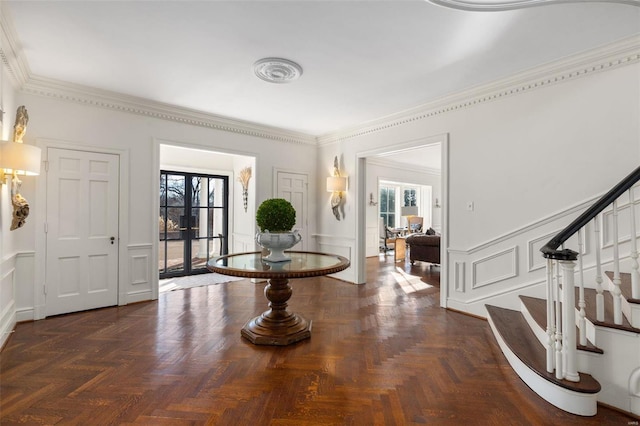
{"points": [[336, 184], [17, 158], [409, 211]]}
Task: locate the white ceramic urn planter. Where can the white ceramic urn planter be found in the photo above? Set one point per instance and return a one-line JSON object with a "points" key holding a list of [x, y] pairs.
{"points": [[277, 243]]}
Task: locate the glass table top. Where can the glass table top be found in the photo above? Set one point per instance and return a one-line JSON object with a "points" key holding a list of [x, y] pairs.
{"points": [[302, 264]]}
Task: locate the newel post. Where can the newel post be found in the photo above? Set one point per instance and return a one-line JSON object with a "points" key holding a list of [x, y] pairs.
{"points": [[569, 321]]}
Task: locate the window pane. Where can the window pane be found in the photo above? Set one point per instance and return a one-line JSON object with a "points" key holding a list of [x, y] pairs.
{"points": [[163, 189], [410, 197], [173, 222], [196, 188], [383, 200], [175, 253], [216, 192], [175, 190]]}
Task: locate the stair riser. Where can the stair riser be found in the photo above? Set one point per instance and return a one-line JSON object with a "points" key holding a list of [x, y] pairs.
{"points": [[540, 333], [615, 368], [634, 314]]}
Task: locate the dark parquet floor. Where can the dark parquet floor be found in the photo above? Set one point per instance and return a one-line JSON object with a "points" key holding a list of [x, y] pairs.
{"points": [[383, 353]]}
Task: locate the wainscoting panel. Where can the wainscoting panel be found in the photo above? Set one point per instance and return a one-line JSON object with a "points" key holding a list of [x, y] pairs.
{"points": [[340, 246], [458, 276], [242, 243], [142, 275], [494, 268], [7, 299], [624, 224], [373, 241], [535, 260], [495, 272], [25, 286]]}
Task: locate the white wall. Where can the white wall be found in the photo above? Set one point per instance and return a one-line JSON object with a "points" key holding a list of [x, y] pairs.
{"points": [[518, 155], [55, 121]]}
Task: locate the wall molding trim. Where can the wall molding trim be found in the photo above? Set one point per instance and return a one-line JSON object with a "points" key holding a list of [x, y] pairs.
{"points": [[334, 237], [621, 53], [510, 254], [75, 93], [509, 235]]}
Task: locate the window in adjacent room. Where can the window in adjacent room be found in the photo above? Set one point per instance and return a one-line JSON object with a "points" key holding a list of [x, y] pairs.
{"points": [[388, 205]]}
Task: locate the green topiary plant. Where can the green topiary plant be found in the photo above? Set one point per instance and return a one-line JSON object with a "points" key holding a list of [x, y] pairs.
{"points": [[275, 215]]}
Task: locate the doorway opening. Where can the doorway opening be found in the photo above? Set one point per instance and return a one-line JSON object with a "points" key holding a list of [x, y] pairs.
{"points": [[193, 221], [403, 162]]}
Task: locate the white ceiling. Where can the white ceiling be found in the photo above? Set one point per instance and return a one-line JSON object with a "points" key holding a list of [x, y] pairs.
{"points": [[361, 60]]}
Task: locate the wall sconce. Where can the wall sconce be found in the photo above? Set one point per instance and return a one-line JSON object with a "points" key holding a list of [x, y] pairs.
{"points": [[245, 175], [371, 202], [17, 158], [336, 184], [437, 204]]}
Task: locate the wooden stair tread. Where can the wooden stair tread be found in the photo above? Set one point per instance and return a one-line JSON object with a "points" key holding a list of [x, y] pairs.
{"points": [[590, 311], [517, 334], [625, 285], [538, 310]]}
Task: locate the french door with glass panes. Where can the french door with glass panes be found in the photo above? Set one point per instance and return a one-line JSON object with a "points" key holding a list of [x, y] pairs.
{"points": [[193, 221]]}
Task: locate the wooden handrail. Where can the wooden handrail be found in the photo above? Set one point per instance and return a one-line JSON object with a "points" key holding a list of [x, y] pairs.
{"points": [[550, 250]]}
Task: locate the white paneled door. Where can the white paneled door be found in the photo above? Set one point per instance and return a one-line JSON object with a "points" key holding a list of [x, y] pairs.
{"points": [[293, 188], [81, 231]]}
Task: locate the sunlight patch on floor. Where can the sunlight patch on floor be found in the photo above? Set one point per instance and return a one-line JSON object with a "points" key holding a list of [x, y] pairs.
{"points": [[409, 283]]}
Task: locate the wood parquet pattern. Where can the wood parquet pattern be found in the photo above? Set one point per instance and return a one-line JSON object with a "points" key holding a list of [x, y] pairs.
{"points": [[383, 353]]}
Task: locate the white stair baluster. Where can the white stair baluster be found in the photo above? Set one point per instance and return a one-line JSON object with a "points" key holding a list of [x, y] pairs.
{"points": [[635, 275], [558, 325], [550, 317], [582, 322], [599, 290], [616, 293]]}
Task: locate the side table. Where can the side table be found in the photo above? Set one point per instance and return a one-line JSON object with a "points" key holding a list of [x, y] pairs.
{"points": [[400, 249]]}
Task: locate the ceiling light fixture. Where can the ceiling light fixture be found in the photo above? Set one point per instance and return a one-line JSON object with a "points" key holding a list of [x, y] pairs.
{"points": [[501, 5], [277, 70]]}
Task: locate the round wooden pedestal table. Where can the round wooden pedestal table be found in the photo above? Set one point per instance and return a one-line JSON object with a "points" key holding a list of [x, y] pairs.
{"points": [[278, 326]]}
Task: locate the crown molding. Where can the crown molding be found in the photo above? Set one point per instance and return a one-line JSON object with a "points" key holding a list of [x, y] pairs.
{"points": [[621, 53], [10, 50], [500, 5], [70, 92]]}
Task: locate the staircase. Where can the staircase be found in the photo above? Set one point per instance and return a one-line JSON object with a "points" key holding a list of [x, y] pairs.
{"points": [[581, 345]]}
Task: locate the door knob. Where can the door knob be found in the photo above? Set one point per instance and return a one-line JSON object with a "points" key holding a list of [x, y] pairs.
{"points": [[112, 239]]}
